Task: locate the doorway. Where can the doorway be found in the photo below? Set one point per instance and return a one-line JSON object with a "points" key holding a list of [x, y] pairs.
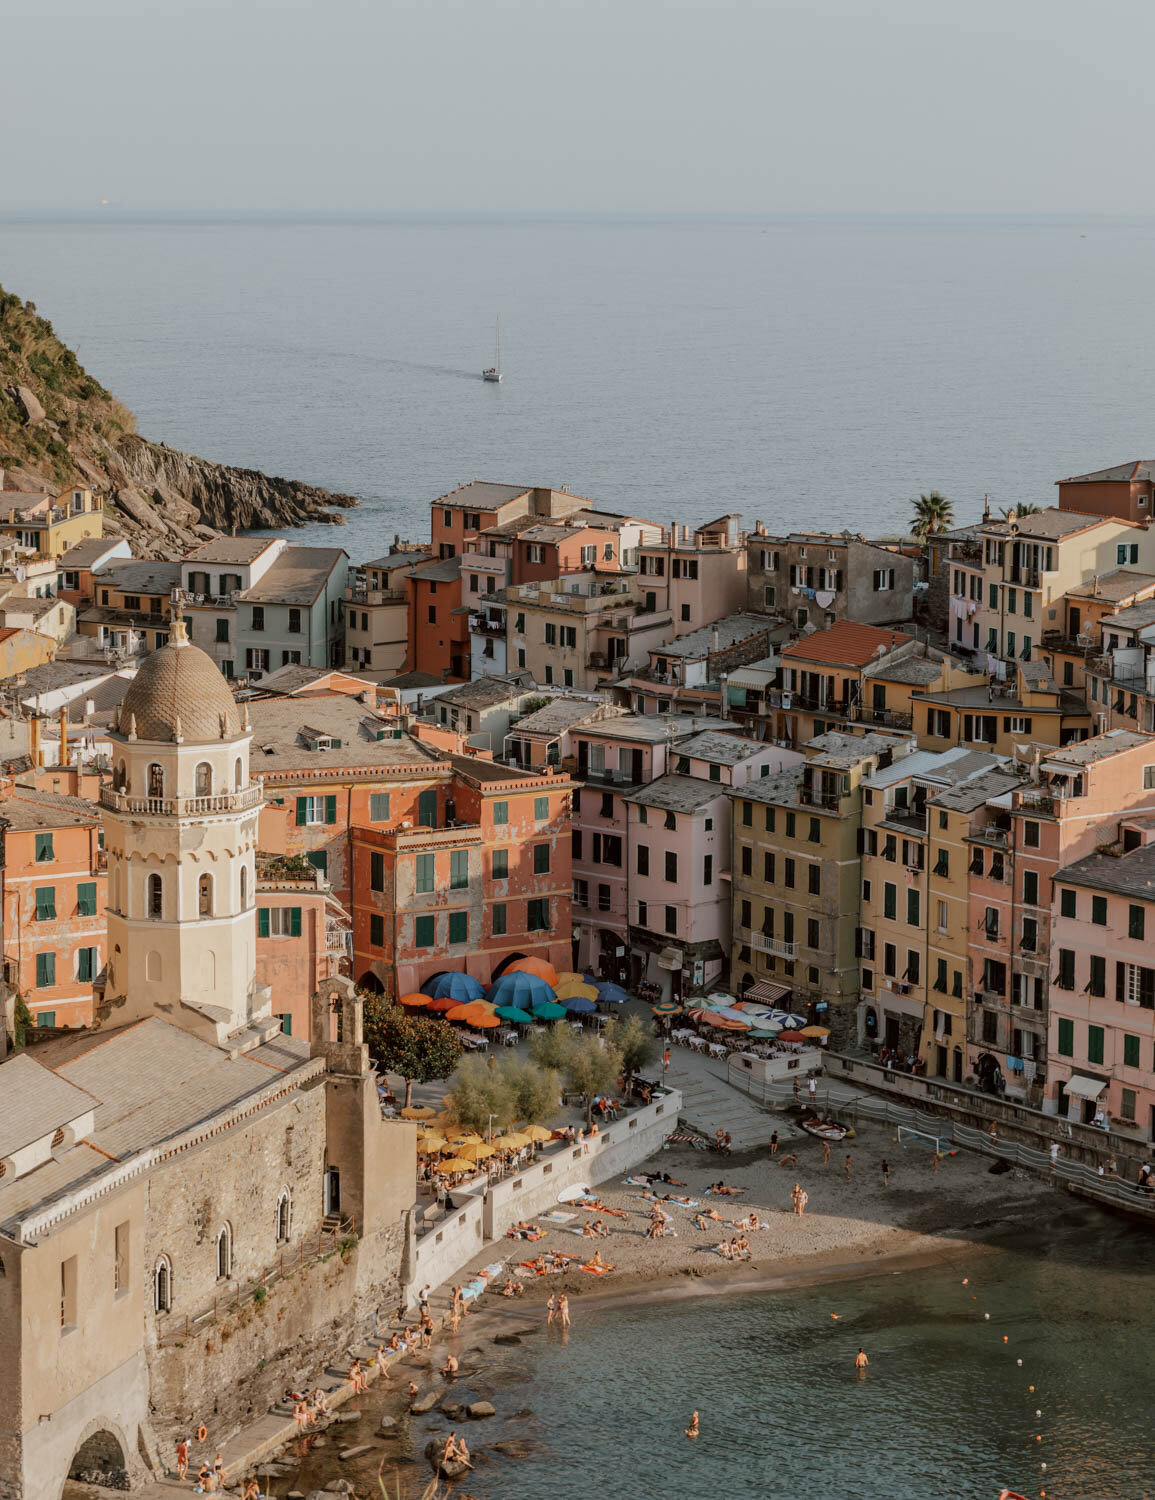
{"points": [[332, 1191]]}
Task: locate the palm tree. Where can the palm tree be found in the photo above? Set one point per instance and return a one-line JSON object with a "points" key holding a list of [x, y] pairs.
{"points": [[1011, 512], [933, 512]]}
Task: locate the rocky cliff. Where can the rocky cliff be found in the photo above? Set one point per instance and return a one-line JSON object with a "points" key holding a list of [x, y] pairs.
{"points": [[59, 426]]}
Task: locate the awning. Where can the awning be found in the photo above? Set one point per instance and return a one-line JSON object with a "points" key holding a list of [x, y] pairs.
{"points": [[767, 990], [670, 958], [1083, 1087]]}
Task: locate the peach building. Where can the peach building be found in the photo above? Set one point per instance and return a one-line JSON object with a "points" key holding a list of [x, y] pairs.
{"points": [[1102, 1021], [697, 575], [302, 937]]}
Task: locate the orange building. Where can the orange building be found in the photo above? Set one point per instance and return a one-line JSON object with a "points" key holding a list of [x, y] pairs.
{"points": [[438, 625], [302, 934], [492, 885], [1126, 491], [55, 936]]}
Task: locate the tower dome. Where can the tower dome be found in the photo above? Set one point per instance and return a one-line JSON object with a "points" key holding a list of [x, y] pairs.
{"points": [[179, 693]]}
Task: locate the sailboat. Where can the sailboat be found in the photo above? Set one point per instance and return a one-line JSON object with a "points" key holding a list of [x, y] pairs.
{"points": [[494, 374]]}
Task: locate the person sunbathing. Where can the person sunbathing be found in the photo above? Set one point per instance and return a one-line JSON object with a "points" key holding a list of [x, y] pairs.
{"points": [[789, 1160], [451, 1366], [588, 1230], [669, 1181], [721, 1190], [512, 1288], [395, 1341], [301, 1416], [320, 1403]]}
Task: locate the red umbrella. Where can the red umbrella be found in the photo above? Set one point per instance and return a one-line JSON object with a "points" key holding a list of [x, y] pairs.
{"points": [[445, 1003], [791, 1036], [536, 966]]}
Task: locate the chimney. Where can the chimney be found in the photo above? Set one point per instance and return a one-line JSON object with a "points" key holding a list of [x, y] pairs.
{"points": [[34, 740], [64, 736], [714, 639]]}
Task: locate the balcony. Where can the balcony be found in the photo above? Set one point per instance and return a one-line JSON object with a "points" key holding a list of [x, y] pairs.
{"points": [[1070, 645], [358, 595], [211, 601], [913, 818], [771, 945], [1025, 578], [181, 807], [1000, 838], [814, 797], [966, 552], [479, 625], [608, 777], [885, 718], [1037, 800]]}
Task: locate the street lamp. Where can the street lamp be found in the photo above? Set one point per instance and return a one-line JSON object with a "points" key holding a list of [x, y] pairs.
{"points": [[491, 1120]]}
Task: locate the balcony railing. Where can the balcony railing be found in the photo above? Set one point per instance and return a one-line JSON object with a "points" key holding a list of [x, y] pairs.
{"points": [[816, 797], [772, 945], [966, 552], [481, 626], [608, 776], [887, 718], [182, 807], [1025, 578], [907, 817], [356, 595], [999, 837]]}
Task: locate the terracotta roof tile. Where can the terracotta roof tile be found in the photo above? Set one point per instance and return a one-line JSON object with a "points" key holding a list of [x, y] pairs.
{"points": [[845, 644]]}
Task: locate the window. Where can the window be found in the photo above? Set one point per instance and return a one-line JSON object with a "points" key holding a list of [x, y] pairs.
{"points": [[44, 854], [537, 915], [497, 919], [1125, 553], [940, 976], [883, 580], [790, 821], [377, 870], [223, 630], [747, 859], [258, 620], [1097, 983], [378, 807], [788, 873], [814, 877], [458, 869], [643, 914], [162, 1286], [87, 964], [284, 1216], [1031, 888], [1128, 1098], [912, 907], [423, 932], [1094, 1044], [1130, 1051], [500, 865], [769, 820], [1031, 835], [890, 901], [458, 926], [643, 859], [812, 938], [1066, 1046], [312, 811], [294, 622], [744, 915], [224, 1254], [541, 809], [1065, 979], [1067, 903], [1099, 910], [671, 919], [425, 873], [990, 1027], [155, 897], [501, 812], [279, 921], [541, 859], [671, 867], [814, 836], [376, 930], [205, 896], [768, 868], [671, 821], [1030, 935], [708, 869], [45, 970], [46, 903], [1135, 922], [68, 1305]]}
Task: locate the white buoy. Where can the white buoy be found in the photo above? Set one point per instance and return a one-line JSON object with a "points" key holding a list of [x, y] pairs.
{"points": [[987, 1317], [1018, 1361], [1038, 1414]]}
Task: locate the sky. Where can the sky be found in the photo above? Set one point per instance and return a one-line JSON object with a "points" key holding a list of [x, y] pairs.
{"points": [[575, 106]]}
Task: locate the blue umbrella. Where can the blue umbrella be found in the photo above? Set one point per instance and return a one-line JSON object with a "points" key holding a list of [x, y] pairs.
{"points": [[518, 988], [580, 1004], [454, 986], [611, 994]]}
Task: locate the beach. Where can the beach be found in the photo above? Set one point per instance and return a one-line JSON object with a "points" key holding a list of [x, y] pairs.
{"points": [[850, 1230]]}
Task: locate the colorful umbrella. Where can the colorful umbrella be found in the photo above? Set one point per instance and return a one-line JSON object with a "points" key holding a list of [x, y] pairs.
{"points": [[486, 1021], [454, 986], [415, 999], [514, 1013], [721, 997], [520, 989], [463, 1013], [537, 1133], [513, 1142], [468, 1139], [763, 1036], [429, 1142], [477, 1152], [791, 1036], [546, 1010], [667, 1008], [443, 1002], [418, 1112], [815, 1031], [454, 1164], [536, 966], [611, 994], [575, 989], [577, 1003], [570, 976]]}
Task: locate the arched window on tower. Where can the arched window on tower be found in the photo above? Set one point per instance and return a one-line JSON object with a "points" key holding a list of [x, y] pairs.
{"points": [[204, 779], [155, 897], [224, 1253], [238, 775], [162, 1285], [205, 896], [120, 780], [244, 887], [284, 1216], [155, 780]]}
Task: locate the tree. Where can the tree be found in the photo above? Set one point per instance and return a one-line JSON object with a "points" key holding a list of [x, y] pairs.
{"points": [[536, 1090], [419, 1049], [1023, 508], [483, 1096], [635, 1040], [551, 1048], [592, 1068], [932, 513]]}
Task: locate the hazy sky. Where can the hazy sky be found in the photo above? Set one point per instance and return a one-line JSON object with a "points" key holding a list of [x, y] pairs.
{"points": [[550, 105]]}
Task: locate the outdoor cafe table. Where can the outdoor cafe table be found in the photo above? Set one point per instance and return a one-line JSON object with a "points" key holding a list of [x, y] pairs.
{"points": [[717, 1049], [474, 1042]]}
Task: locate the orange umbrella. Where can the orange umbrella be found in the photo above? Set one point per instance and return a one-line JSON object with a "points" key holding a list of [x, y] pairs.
{"points": [[536, 966], [464, 1012], [415, 999], [484, 1022]]}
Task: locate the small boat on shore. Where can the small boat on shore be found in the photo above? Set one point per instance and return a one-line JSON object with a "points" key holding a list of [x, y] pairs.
{"points": [[493, 374], [827, 1130]]}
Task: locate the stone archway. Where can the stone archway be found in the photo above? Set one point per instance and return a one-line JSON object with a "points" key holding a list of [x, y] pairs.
{"points": [[100, 1459]]}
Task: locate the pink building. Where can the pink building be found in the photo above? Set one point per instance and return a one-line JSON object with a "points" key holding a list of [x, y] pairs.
{"points": [[697, 575], [1102, 1014], [1031, 833]]}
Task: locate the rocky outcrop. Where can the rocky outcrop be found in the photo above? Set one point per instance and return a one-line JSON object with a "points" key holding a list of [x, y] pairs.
{"points": [[59, 426]]}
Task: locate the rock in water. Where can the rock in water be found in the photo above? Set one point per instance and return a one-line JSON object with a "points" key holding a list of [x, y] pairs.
{"points": [[354, 1452], [478, 1409], [421, 1404], [508, 1338]]}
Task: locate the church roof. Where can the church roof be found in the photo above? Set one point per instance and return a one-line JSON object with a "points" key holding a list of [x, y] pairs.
{"points": [[179, 689]]}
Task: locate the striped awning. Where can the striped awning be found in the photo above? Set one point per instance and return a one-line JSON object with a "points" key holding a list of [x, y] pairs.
{"points": [[768, 991]]}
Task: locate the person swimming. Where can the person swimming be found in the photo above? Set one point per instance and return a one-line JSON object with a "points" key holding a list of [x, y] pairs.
{"points": [[694, 1428]]}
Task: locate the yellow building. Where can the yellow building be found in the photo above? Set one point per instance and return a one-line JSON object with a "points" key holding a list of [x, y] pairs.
{"points": [[50, 524], [1028, 706], [133, 605], [21, 650], [795, 872]]}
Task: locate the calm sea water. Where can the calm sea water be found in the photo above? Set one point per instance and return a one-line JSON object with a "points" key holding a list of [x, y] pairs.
{"points": [[799, 370]]}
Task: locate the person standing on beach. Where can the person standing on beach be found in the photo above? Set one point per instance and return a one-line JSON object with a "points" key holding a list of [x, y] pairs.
{"points": [[885, 1173], [803, 1200], [846, 1168], [563, 1310], [825, 1152], [550, 1309], [774, 1143], [182, 1459]]}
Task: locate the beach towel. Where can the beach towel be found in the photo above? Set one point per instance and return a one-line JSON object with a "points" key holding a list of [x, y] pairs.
{"points": [[637, 1182], [556, 1216], [494, 1269], [570, 1193], [597, 1270]]}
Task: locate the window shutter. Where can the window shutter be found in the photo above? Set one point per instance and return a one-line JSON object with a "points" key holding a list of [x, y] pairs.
{"points": [[302, 811], [331, 809], [262, 921], [1120, 982], [294, 921]]}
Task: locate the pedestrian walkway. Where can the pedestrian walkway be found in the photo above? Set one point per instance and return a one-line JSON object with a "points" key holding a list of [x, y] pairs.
{"points": [[711, 1104]]}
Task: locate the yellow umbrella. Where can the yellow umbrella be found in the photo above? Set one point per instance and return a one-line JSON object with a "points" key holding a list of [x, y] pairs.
{"points": [[469, 1139], [575, 989], [537, 1133], [571, 978], [815, 1031], [418, 1112], [513, 1142], [454, 1164], [476, 1153], [431, 1142]]}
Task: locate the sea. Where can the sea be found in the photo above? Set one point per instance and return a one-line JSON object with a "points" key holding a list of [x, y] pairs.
{"points": [[805, 371]]}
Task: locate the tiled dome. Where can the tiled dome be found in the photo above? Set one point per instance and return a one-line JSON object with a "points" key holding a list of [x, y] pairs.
{"points": [[179, 690]]}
